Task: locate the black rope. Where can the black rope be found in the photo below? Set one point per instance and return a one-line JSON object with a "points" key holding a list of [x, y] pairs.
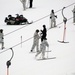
{"points": [[36, 20], [62, 22], [33, 22], [29, 38], [65, 7], [16, 45], [16, 30]]}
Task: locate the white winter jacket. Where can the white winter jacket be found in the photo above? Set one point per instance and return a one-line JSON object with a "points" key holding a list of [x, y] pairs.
{"points": [[1, 37], [43, 45], [36, 37], [52, 16]]}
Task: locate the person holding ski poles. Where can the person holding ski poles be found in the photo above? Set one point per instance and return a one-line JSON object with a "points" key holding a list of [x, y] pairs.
{"points": [[43, 46]]}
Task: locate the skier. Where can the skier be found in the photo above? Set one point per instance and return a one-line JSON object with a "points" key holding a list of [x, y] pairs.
{"points": [[53, 19], [44, 33], [31, 1], [18, 20], [43, 46], [24, 3], [36, 41], [1, 38], [24, 20], [73, 14], [10, 20]]}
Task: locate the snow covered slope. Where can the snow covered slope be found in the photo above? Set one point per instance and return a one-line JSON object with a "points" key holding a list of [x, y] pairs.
{"points": [[23, 62]]}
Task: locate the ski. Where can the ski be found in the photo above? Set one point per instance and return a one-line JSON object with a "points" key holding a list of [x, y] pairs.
{"points": [[2, 48], [54, 27], [46, 58], [62, 41], [36, 52]]}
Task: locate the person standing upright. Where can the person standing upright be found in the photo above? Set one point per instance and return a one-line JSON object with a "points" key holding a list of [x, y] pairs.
{"points": [[43, 46], [53, 19], [31, 3], [36, 41], [44, 33], [24, 4]]}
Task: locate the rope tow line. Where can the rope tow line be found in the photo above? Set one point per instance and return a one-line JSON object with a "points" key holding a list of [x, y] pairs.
{"points": [[29, 39], [37, 20]]}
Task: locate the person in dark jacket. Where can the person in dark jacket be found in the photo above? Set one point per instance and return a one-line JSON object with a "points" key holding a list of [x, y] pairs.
{"points": [[10, 20], [17, 19], [31, 3], [24, 20], [44, 33]]}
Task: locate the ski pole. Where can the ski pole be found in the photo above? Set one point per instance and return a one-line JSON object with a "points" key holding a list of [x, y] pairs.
{"points": [[21, 41], [47, 51]]}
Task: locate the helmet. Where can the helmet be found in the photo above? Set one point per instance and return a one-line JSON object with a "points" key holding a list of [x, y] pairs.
{"points": [[21, 15], [44, 25], [9, 15], [1, 30], [17, 14], [37, 30]]}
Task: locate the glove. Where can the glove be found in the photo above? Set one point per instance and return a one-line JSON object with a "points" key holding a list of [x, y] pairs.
{"points": [[56, 16], [50, 17]]}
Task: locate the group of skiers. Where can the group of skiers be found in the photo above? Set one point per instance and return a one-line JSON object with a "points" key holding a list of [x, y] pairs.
{"points": [[43, 44], [18, 20], [43, 35], [30, 2]]}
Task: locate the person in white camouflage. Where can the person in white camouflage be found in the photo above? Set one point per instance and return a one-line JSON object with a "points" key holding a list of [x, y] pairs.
{"points": [[43, 46], [36, 41]]}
